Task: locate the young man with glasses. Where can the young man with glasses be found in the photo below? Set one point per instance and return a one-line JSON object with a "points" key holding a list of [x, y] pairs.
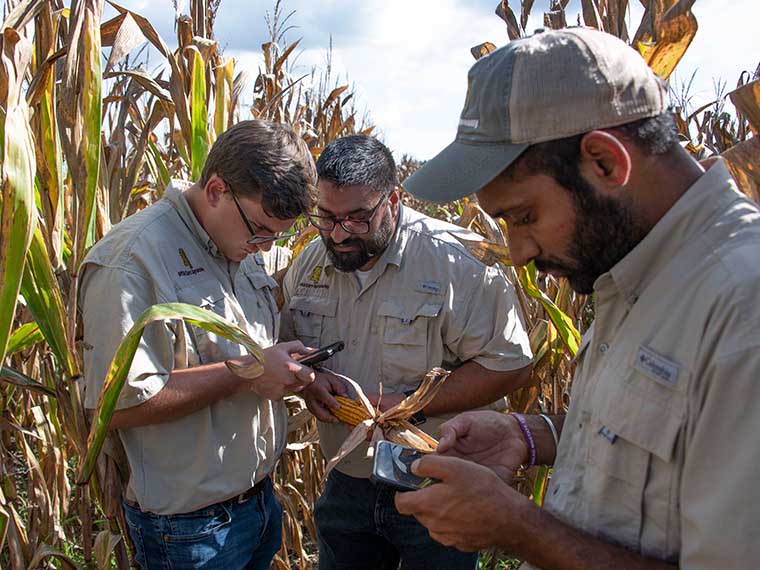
{"points": [[201, 443], [404, 296]]}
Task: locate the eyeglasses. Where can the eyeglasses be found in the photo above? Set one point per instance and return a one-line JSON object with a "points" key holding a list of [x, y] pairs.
{"points": [[255, 238], [350, 225]]}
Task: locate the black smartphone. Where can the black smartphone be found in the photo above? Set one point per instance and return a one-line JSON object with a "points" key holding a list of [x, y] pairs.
{"points": [[321, 354], [393, 467]]}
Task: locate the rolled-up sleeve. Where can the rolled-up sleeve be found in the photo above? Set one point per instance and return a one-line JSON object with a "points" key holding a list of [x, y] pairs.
{"points": [[486, 327], [112, 299]]}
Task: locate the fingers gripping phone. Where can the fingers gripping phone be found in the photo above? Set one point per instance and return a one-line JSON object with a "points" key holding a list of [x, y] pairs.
{"points": [[393, 467], [321, 354]]}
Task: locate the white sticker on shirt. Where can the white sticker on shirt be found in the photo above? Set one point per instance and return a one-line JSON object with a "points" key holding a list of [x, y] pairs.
{"points": [[657, 367]]}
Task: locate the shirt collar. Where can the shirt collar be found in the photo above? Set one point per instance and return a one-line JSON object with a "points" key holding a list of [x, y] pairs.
{"points": [[175, 194], [709, 195]]}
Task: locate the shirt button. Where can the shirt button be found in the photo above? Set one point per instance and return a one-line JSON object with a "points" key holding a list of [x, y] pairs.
{"points": [[354, 342], [604, 347]]}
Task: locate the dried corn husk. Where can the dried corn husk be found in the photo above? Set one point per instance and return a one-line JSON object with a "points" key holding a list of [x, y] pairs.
{"points": [[393, 424]]}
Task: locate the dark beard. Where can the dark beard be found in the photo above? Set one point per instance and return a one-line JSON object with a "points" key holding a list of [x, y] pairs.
{"points": [[605, 232], [369, 247]]}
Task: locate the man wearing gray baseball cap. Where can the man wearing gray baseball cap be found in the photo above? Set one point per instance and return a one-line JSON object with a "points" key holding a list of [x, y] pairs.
{"points": [[566, 135]]}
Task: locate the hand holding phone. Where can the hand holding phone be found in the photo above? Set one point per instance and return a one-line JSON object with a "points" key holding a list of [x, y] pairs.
{"points": [[393, 467], [321, 354]]}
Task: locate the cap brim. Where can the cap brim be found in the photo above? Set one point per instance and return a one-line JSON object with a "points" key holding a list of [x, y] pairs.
{"points": [[461, 169]]}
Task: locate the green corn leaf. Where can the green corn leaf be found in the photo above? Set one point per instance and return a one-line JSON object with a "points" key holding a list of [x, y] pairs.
{"points": [[4, 519], [93, 108], [23, 337], [565, 328], [18, 219], [224, 79], [43, 296], [13, 376], [199, 114], [540, 484], [161, 172], [122, 360]]}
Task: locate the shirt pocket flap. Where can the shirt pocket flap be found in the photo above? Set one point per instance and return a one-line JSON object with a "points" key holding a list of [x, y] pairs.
{"points": [[403, 325], [207, 295], [261, 280], [393, 309], [645, 413], [316, 305]]}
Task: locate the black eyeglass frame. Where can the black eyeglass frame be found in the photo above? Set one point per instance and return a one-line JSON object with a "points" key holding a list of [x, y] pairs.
{"points": [[255, 238], [333, 221]]}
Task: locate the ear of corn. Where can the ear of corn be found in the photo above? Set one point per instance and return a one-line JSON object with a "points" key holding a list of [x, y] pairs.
{"points": [[350, 412]]}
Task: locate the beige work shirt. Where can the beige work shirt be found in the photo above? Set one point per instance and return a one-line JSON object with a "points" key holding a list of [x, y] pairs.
{"points": [[659, 448], [160, 255], [427, 302]]}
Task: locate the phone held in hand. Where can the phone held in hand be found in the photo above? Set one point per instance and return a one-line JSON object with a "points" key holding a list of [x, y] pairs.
{"points": [[393, 467], [321, 354]]}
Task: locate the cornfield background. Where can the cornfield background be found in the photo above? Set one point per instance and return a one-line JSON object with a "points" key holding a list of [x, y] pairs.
{"points": [[89, 137]]}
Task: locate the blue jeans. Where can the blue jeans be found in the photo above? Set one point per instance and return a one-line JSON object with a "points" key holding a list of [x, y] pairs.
{"points": [[225, 536], [359, 528]]}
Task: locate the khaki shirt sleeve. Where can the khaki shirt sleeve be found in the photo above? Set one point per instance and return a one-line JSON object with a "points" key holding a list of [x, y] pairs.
{"points": [[287, 331], [112, 300], [486, 326], [720, 504]]}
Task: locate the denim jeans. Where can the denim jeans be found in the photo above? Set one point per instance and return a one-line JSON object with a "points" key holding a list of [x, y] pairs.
{"points": [[225, 536], [359, 528]]}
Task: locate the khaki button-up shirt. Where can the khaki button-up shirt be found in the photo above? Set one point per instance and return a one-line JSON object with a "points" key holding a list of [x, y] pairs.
{"points": [[427, 302], [659, 448], [162, 255]]}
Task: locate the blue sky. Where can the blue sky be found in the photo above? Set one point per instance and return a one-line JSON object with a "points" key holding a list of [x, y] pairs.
{"points": [[408, 59]]}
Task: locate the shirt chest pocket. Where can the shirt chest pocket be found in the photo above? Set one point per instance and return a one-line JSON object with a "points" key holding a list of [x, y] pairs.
{"points": [[633, 470], [260, 308], [210, 347], [313, 317], [404, 333]]}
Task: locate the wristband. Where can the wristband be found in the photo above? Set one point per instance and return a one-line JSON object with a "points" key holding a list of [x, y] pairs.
{"points": [[528, 438], [552, 428]]}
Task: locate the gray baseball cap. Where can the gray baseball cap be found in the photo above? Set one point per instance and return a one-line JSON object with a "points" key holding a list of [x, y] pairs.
{"points": [[548, 86]]}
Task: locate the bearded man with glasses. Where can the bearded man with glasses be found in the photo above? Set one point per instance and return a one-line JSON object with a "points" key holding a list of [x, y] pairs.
{"points": [[201, 442], [404, 296]]}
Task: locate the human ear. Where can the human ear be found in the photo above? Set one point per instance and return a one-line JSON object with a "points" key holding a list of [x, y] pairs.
{"points": [[214, 189], [606, 159]]}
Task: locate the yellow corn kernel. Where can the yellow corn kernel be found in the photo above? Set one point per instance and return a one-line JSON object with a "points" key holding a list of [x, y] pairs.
{"points": [[350, 412]]}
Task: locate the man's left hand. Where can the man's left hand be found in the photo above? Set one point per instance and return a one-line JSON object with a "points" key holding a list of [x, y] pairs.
{"points": [[470, 509]]}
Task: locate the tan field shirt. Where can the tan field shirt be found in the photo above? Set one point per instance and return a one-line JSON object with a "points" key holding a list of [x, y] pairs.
{"points": [[425, 303], [659, 450], [162, 255]]}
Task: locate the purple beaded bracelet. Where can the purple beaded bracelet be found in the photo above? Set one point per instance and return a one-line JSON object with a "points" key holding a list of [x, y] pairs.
{"points": [[528, 437]]}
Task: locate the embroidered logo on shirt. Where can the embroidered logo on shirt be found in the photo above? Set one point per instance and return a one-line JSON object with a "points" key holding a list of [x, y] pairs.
{"points": [[608, 434], [657, 367], [185, 259], [186, 262], [433, 287], [316, 274]]}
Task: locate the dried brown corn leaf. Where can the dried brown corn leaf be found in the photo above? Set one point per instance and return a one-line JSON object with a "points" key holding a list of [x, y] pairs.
{"points": [[392, 424], [746, 99], [486, 252]]}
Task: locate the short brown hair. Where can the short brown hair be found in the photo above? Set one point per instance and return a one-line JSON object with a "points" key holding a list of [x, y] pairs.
{"points": [[259, 159]]}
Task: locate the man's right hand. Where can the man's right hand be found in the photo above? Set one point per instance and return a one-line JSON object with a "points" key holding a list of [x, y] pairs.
{"points": [[282, 374], [491, 439], [320, 396]]}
